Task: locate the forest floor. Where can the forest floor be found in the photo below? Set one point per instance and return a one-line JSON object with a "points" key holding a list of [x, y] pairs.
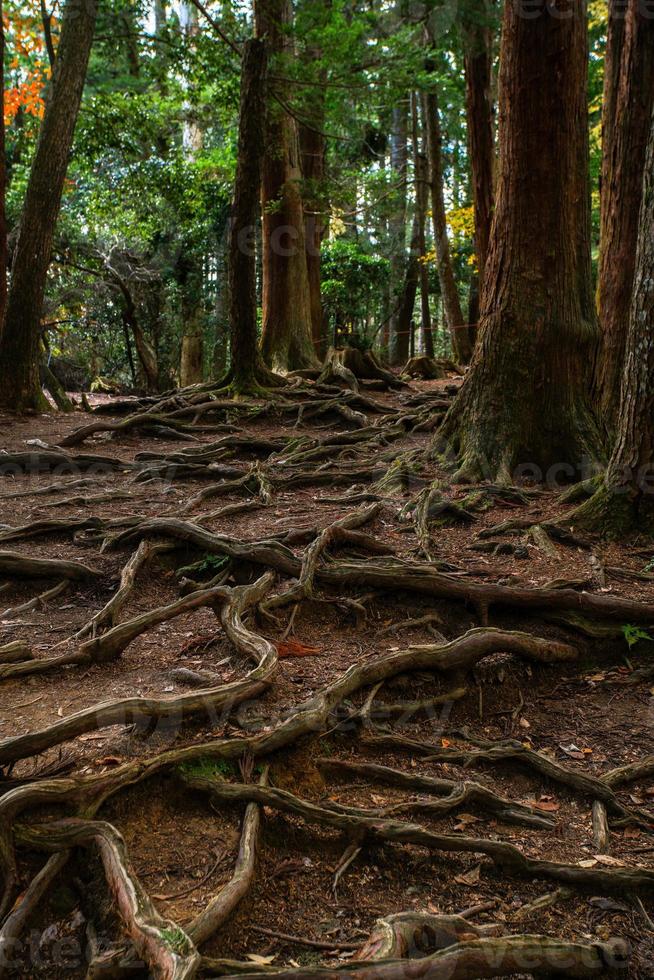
{"points": [[588, 716]]}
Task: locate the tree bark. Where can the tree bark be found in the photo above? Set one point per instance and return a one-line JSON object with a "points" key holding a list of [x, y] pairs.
{"points": [[626, 502], [478, 61], [286, 340], [628, 103], [398, 337], [407, 298], [458, 328], [422, 197], [313, 149], [246, 359], [20, 387], [526, 399]]}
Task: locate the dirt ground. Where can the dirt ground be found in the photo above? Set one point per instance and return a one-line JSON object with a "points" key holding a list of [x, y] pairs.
{"points": [[591, 716]]}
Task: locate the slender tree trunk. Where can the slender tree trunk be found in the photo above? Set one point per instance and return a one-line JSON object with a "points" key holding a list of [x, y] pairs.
{"points": [[407, 298], [422, 197], [191, 361], [457, 326], [478, 60], [246, 361], [287, 342], [526, 398], [20, 386], [628, 103], [626, 502], [398, 342], [313, 150]]}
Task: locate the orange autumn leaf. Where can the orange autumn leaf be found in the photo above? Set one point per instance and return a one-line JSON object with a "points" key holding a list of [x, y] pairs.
{"points": [[291, 648]]}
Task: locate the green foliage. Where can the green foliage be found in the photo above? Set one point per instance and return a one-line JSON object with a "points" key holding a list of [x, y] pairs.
{"points": [[209, 768], [634, 634], [210, 563]]}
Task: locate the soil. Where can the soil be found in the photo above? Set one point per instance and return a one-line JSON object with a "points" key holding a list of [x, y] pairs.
{"points": [[590, 716]]}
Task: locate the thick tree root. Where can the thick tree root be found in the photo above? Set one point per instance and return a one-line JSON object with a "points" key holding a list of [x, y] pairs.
{"points": [[394, 575], [508, 858], [456, 795], [233, 603], [11, 563], [478, 959], [412, 935], [499, 753], [164, 946]]}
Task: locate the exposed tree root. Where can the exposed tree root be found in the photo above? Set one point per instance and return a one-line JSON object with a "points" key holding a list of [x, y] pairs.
{"points": [[478, 959], [456, 795], [376, 829], [129, 710], [11, 563], [412, 935], [395, 574], [510, 751], [109, 613], [164, 946]]}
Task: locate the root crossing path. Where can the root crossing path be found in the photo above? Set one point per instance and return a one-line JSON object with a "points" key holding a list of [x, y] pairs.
{"points": [[279, 699]]}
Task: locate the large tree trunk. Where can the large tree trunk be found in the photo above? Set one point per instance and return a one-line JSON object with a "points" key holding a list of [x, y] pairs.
{"points": [[526, 399], [287, 341], [247, 364], [398, 338], [478, 60], [20, 386], [625, 502], [628, 102], [458, 328]]}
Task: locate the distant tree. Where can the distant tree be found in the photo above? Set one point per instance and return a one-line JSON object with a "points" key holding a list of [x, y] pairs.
{"points": [[20, 342], [526, 398]]}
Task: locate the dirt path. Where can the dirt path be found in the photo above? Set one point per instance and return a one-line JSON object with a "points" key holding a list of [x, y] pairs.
{"points": [[235, 690]]}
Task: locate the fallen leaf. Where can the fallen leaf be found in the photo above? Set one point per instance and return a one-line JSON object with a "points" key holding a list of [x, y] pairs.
{"points": [[612, 862], [261, 960], [470, 877], [587, 863], [547, 805], [291, 648]]}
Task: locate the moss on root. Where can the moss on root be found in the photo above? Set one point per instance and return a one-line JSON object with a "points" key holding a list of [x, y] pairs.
{"points": [[614, 514]]}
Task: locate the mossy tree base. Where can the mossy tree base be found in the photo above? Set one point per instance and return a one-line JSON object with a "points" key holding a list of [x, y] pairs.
{"points": [[615, 513]]}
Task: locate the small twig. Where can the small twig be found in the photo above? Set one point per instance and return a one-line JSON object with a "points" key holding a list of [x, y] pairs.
{"points": [[303, 941]]}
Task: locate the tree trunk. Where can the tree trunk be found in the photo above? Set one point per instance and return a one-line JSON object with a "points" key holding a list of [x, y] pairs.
{"points": [[407, 298], [526, 399], [246, 360], [191, 359], [398, 346], [458, 328], [478, 60], [625, 502], [628, 103], [313, 150], [422, 197], [20, 386], [286, 341]]}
